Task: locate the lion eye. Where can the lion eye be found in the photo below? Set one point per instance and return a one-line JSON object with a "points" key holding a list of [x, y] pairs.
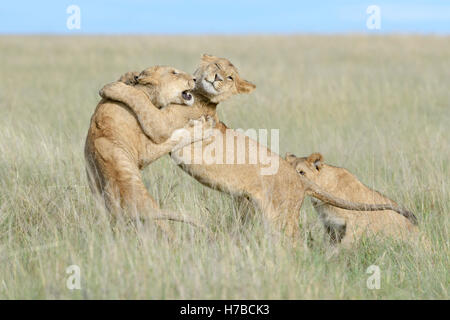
{"points": [[301, 172], [230, 78], [174, 72]]}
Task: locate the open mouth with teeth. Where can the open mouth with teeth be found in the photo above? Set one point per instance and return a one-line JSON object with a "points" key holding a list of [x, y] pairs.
{"points": [[187, 97]]}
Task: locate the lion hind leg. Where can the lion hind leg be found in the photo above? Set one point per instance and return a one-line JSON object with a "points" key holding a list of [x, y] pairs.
{"points": [[115, 179], [135, 200]]}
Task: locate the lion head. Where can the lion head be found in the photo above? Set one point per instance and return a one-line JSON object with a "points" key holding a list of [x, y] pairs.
{"points": [[166, 85], [309, 167], [218, 79]]}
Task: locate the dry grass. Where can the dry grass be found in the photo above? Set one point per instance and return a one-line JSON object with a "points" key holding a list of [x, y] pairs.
{"points": [[376, 105]]}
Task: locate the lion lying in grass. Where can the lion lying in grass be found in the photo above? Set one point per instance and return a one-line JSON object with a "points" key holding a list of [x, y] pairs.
{"points": [[345, 226], [116, 147]]}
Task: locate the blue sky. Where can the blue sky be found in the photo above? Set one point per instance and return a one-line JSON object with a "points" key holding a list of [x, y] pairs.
{"points": [[224, 17]]}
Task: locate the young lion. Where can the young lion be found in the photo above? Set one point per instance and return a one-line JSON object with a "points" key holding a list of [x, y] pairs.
{"points": [[344, 226], [116, 148]]}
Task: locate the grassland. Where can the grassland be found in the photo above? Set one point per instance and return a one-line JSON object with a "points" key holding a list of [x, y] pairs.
{"points": [[379, 106]]}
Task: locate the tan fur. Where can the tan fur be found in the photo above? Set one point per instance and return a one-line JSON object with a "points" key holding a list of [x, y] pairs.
{"points": [[345, 226], [116, 148], [278, 196]]}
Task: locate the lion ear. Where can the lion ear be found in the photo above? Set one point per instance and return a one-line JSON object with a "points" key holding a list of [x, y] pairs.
{"points": [[129, 78], [208, 57], [147, 78], [290, 157], [244, 86], [316, 159]]}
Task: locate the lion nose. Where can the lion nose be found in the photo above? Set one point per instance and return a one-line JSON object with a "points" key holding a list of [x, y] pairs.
{"points": [[218, 77]]}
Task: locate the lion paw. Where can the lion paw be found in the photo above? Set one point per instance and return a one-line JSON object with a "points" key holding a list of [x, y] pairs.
{"points": [[113, 90], [208, 128], [197, 122]]}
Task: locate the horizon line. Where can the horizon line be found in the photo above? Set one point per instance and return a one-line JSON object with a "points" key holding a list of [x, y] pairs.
{"points": [[175, 34]]}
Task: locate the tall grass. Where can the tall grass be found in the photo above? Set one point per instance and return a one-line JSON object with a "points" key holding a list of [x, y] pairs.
{"points": [[378, 106]]}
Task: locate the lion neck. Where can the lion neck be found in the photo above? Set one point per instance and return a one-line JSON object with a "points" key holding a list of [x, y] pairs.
{"points": [[204, 103], [152, 94]]}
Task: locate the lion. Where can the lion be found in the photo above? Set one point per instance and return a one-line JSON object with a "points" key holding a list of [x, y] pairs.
{"points": [[116, 148], [345, 227], [279, 195]]}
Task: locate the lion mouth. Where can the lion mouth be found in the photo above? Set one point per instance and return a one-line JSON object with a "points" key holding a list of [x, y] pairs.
{"points": [[186, 95], [208, 87], [188, 98]]}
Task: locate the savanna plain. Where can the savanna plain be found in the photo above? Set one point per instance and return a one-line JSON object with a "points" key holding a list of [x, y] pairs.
{"points": [[377, 105]]}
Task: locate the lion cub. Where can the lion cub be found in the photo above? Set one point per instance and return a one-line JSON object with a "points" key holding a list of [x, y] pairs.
{"points": [[347, 226]]}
